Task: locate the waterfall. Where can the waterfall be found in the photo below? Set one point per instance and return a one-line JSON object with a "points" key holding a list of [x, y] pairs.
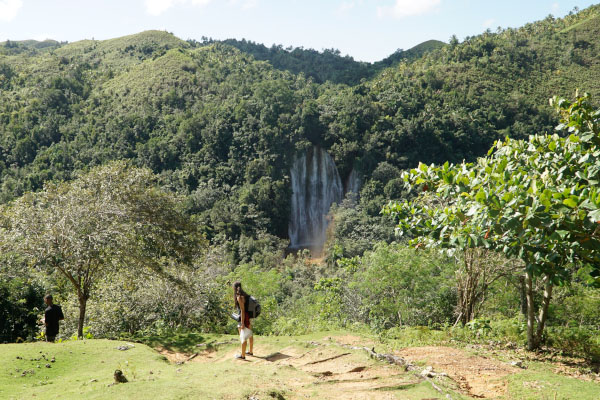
{"points": [[316, 184], [353, 182]]}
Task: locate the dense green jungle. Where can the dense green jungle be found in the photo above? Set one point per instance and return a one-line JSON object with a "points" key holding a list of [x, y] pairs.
{"points": [[141, 176]]}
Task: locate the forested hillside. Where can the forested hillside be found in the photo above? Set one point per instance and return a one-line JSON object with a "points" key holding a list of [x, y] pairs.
{"points": [[411, 54], [222, 127], [140, 176], [328, 65]]}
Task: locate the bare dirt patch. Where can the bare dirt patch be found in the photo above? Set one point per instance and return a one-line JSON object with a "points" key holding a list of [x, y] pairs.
{"points": [[324, 366], [330, 367], [476, 376], [341, 374], [180, 358], [173, 356]]}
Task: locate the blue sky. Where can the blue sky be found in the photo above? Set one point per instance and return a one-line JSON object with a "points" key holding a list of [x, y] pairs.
{"points": [[367, 30]]}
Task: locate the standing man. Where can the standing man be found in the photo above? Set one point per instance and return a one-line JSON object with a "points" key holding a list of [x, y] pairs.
{"points": [[52, 315]]}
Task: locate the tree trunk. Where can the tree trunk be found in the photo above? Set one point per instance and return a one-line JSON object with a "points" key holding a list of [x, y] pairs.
{"points": [[467, 282], [530, 311], [543, 310], [523, 293], [82, 306]]}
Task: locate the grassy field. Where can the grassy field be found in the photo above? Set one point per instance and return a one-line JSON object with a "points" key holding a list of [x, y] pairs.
{"points": [[323, 366]]}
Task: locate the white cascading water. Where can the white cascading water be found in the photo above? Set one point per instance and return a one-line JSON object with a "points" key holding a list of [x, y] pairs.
{"points": [[353, 182], [316, 184]]}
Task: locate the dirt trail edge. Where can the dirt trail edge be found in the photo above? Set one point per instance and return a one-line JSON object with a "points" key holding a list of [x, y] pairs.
{"points": [[329, 368], [476, 376]]}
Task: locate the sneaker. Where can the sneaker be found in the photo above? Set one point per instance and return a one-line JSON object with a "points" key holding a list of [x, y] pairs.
{"points": [[249, 353], [240, 357]]}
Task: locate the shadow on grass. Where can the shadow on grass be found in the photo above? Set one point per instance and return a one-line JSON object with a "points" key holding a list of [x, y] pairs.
{"points": [[276, 357], [176, 342]]}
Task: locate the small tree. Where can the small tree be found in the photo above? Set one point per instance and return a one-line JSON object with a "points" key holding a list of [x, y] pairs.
{"points": [[478, 269], [111, 218], [536, 200]]}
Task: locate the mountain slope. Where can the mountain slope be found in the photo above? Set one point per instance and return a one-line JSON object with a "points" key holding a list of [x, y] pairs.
{"points": [[411, 54], [223, 128], [328, 65]]}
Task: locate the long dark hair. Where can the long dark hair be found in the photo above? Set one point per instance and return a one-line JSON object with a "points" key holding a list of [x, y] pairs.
{"points": [[238, 291]]}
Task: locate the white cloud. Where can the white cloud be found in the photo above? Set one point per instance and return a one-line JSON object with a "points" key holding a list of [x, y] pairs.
{"points": [[9, 9], [408, 8], [244, 4], [488, 23], [346, 6], [249, 4], [157, 7], [555, 7]]}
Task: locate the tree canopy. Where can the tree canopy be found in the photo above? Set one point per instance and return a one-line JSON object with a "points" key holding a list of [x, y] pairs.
{"points": [[112, 218], [536, 200], [212, 120]]}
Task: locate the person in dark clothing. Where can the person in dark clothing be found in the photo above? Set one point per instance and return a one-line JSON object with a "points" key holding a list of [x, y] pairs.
{"points": [[52, 315]]}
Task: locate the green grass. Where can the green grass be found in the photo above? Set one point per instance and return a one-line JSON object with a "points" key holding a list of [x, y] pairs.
{"points": [[84, 369], [540, 382]]}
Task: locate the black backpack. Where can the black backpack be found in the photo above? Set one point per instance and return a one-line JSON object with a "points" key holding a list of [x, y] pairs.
{"points": [[253, 307]]}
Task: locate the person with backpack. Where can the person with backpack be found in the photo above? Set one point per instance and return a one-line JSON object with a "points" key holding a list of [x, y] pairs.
{"points": [[247, 308]]}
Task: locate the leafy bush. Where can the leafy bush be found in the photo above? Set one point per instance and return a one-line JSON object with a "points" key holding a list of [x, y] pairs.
{"points": [[576, 305], [416, 336], [264, 285], [21, 306], [354, 230], [395, 285], [148, 304], [575, 340]]}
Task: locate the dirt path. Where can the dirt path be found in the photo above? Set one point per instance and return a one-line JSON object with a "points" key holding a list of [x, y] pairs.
{"points": [[476, 376], [336, 369], [337, 374], [323, 367]]}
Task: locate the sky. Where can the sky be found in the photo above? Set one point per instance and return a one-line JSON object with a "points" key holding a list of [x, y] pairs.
{"points": [[367, 30]]}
